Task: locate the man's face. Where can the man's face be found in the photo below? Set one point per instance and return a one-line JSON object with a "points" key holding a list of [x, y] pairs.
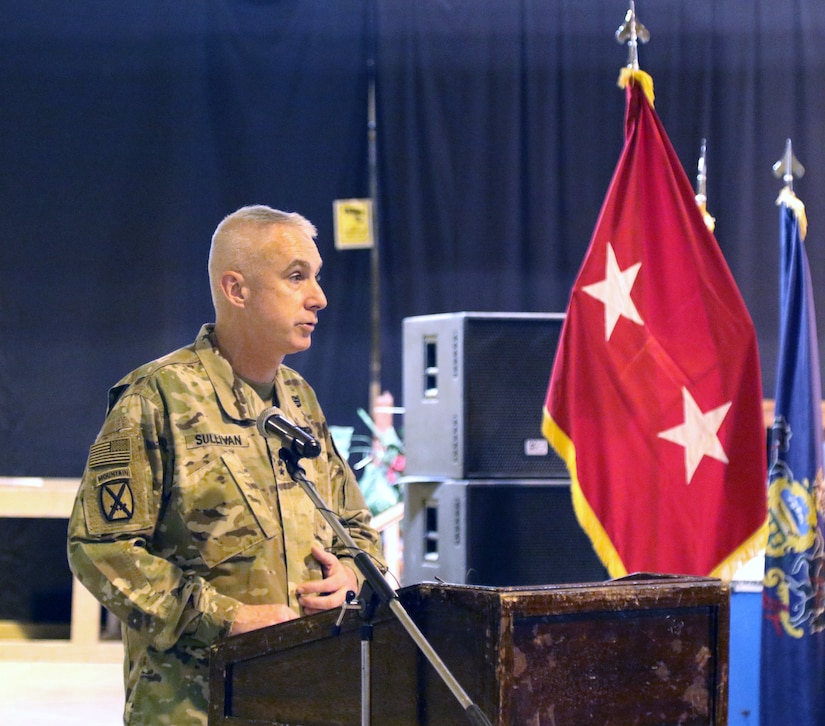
{"points": [[285, 295]]}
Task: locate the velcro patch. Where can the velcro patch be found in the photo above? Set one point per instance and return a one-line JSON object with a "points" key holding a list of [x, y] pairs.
{"points": [[112, 452]]}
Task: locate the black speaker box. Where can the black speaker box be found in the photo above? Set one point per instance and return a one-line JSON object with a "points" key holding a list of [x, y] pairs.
{"points": [[498, 533], [474, 392]]}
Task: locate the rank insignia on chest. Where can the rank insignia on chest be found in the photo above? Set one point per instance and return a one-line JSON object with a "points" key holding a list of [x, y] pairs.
{"points": [[116, 500]]}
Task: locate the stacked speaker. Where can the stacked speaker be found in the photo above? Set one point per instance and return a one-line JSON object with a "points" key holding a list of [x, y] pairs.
{"points": [[487, 501]]}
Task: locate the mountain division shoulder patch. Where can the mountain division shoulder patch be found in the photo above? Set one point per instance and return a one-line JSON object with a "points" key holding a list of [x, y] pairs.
{"points": [[116, 501]]}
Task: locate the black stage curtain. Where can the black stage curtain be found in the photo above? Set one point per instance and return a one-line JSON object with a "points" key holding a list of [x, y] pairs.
{"points": [[129, 129]]}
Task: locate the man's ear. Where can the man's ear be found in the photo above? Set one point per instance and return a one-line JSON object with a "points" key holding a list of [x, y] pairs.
{"points": [[233, 287]]}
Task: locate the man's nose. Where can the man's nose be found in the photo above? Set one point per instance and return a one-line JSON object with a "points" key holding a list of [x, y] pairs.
{"points": [[317, 299]]}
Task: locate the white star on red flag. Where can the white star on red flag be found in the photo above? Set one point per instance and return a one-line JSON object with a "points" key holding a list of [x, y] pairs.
{"points": [[698, 434], [614, 292]]}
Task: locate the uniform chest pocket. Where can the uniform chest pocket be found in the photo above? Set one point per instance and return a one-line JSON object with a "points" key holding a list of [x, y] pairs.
{"points": [[224, 510]]}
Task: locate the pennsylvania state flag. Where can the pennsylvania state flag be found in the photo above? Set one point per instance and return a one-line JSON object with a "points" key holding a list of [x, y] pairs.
{"points": [[793, 640], [655, 398]]}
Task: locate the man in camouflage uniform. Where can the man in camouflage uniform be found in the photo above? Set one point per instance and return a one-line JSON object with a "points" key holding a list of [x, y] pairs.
{"points": [[187, 526]]}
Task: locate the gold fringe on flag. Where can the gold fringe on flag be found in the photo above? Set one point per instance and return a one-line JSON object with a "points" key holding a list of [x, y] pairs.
{"points": [[634, 75], [749, 549], [602, 544], [794, 203], [587, 518]]}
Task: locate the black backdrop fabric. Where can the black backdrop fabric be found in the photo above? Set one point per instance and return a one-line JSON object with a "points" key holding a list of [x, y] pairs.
{"points": [[129, 129]]}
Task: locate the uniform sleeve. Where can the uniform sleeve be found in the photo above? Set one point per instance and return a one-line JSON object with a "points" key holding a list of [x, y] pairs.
{"points": [[354, 513], [113, 521]]}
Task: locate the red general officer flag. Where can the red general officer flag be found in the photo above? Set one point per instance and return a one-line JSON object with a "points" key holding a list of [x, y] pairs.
{"points": [[655, 399]]}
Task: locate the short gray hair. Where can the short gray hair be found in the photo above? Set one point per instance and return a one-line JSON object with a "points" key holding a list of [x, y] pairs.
{"points": [[234, 248]]}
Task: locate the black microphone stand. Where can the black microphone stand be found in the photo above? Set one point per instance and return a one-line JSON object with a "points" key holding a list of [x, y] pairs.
{"points": [[378, 589]]}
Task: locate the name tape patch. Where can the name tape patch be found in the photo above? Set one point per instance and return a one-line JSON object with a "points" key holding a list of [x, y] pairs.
{"points": [[193, 441]]}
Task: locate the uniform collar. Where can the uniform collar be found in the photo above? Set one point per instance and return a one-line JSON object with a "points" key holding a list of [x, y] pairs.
{"points": [[234, 396]]}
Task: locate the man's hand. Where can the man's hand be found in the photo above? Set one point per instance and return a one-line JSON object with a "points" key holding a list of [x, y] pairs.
{"points": [[331, 591], [314, 596], [253, 617]]}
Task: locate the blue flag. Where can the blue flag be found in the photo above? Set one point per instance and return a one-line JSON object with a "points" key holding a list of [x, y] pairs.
{"points": [[793, 629]]}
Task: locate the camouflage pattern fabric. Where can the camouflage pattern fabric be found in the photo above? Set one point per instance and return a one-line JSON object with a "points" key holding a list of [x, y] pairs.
{"points": [[185, 512]]}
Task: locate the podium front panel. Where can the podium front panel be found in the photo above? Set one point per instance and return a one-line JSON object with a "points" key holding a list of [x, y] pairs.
{"points": [[651, 651]]}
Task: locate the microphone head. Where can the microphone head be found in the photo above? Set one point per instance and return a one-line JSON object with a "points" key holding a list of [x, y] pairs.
{"points": [[299, 441], [265, 416]]}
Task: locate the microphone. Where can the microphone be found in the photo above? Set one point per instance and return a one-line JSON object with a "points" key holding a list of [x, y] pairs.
{"points": [[300, 442]]}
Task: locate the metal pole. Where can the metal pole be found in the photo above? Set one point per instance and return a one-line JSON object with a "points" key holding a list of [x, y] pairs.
{"points": [[375, 267], [366, 676]]}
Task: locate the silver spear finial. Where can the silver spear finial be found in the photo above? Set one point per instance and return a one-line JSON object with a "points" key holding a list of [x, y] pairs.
{"points": [[632, 32], [788, 167]]}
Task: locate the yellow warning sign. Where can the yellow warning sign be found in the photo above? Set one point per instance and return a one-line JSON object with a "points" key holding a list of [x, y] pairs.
{"points": [[353, 224]]}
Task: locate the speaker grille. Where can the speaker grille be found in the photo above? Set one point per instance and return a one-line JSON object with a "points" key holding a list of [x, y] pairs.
{"points": [[526, 535], [498, 533], [474, 391], [507, 365]]}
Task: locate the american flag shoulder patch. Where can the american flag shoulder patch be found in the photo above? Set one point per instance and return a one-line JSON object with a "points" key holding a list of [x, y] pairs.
{"points": [[110, 452]]}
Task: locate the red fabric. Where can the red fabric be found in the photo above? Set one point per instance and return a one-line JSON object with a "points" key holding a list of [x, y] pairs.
{"points": [[612, 398]]}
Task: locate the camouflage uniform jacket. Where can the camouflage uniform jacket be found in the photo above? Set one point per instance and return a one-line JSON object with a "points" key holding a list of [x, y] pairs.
{"points": [[185, 512]]}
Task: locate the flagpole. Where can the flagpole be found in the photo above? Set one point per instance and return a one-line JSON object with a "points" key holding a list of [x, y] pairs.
{"points": [[702, 174], [701, 186], [792, 647], [375, 264], [789, 168]]}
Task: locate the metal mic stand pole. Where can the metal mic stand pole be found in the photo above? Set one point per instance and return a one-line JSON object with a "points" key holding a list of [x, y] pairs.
{"points": [[382, 590], [366, 605]]}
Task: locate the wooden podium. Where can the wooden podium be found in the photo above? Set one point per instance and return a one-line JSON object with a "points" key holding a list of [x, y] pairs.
{"points": [[643, 650]]}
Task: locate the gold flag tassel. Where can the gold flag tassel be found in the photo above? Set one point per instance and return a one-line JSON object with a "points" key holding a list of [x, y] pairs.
{"points": [[710, 220], [788, 197], [795, 204], [634, 75]]}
